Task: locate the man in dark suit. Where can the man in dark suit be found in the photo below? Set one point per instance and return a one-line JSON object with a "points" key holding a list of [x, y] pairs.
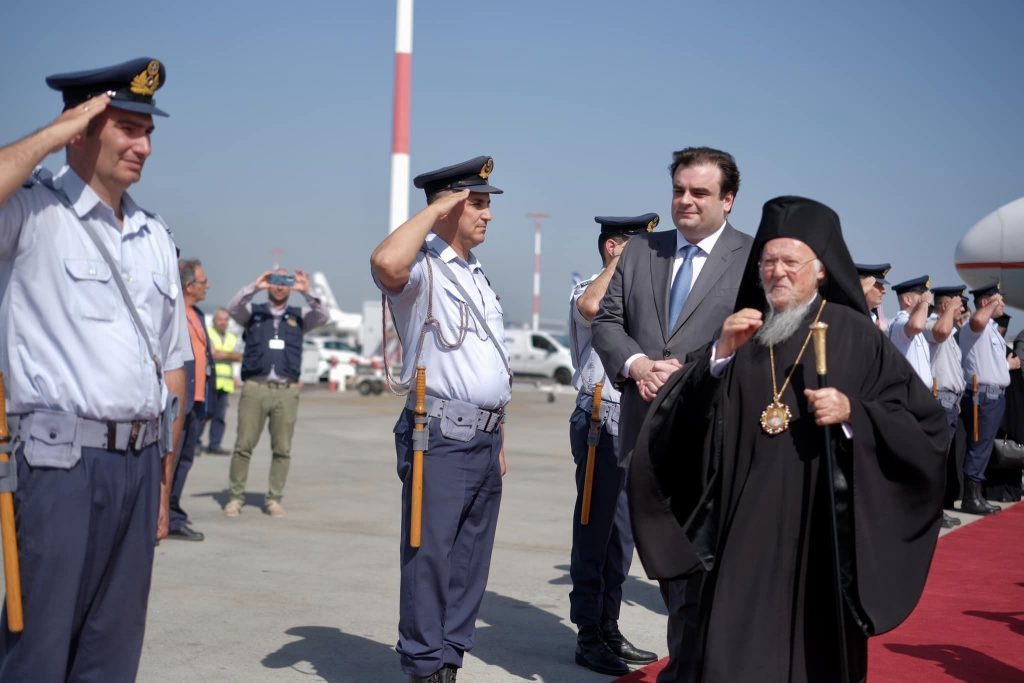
{"points": [[670, 293]]}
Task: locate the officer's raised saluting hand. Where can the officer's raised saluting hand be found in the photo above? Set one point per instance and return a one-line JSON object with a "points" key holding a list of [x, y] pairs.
{"points": [[71, 124], [447, 201]]}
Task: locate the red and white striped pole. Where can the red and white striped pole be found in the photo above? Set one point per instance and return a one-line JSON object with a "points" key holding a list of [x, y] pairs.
{"points": [[400, 122], [537, 217]]}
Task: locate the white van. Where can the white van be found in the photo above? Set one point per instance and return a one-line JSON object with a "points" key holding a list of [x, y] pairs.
{"points": [[537, 353]]}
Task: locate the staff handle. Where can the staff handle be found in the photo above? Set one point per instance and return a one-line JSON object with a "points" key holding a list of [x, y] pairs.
{"points": [[974, 408], [593, 437], [416, 507], [819, 331], [12, 568]]}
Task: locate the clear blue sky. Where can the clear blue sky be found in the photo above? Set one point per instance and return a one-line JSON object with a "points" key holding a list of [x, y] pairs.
{"points": [[905, 117]]}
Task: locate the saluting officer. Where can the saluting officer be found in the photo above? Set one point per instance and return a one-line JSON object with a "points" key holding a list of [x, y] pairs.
{"points": [[947, 370], [450, 321], [88, 376], [602, 550], [905, 329], [872, 283], [984, 358]]}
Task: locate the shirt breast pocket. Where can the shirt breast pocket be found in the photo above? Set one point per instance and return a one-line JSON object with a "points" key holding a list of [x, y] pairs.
{"points": [[93, 295]]}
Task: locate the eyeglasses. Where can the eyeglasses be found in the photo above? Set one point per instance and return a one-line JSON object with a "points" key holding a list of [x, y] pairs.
{"points": [[789, 266], [200, 282]]}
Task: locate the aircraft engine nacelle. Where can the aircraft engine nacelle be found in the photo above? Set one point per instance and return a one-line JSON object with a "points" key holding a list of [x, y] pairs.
{"points": [[994, 248]]}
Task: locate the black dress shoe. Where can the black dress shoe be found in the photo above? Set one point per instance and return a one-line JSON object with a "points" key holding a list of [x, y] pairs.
{"points": [[436, 677], [593, 653], [451, 672], [948, 521], [973, 502], [185, 533], [625, 650]]}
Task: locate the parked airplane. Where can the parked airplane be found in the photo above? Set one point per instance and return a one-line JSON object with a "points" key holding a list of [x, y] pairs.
{"points": [[994, 248]]}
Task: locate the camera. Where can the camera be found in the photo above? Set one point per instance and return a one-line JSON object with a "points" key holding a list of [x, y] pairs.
{"points": [[282, 280]]}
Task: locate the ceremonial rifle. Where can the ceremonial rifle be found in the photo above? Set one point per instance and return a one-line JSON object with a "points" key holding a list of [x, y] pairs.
{"points": [[12, 570], [593, 438], [420, 438], [974, 408], [820, 331]]}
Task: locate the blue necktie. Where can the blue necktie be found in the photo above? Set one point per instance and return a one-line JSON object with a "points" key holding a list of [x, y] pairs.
{"points": [[681, 285]]}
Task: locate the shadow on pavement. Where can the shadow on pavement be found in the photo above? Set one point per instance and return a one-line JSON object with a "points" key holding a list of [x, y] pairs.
{"points": [[962, 663], [335, 656], [255, 500], [524, 640], [634, 591]]}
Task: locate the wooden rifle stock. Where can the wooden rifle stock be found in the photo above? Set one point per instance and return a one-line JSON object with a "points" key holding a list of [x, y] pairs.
{"points": [[974, 408], [592, 439], [12, 568], [416, 497]]}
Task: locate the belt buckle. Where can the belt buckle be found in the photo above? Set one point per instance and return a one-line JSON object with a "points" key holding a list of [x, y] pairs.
{"points": [[111, 436]]}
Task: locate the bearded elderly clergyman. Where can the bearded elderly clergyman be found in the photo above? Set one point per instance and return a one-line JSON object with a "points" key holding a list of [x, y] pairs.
{"points": [[751, 509]]}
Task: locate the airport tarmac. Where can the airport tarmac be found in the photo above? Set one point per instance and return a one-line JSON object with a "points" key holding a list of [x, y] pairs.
{"points": [[313, 596]]}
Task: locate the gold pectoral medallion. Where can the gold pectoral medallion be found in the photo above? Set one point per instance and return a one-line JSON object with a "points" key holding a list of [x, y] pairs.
{"points": [[775, 418]]}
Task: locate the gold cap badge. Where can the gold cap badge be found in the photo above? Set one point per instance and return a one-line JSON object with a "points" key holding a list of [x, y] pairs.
{"points": [[928, 283], [487, 168], [148, 81], [652, 225]]}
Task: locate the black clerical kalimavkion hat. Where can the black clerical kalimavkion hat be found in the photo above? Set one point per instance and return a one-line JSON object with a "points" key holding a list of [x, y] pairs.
{"points": [[917, 284], [875, 270], [627, 225], [817, 226], [131, 85], [469, 175]]}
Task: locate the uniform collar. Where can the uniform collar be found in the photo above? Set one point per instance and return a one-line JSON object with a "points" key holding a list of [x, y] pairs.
{"points": [[83, 200], [439, 246]]}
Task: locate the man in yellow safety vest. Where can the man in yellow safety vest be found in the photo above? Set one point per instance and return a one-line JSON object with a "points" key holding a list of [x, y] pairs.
{"points": [[224, 354]]}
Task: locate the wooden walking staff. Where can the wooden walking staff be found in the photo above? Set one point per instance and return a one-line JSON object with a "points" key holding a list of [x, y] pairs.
{"points": [[974, 408], [593, 437], [419, 444], [12, 570], [820, 330]]}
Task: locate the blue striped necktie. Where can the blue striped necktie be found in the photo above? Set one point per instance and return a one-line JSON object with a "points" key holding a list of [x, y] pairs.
{"points": [[681, 285]]}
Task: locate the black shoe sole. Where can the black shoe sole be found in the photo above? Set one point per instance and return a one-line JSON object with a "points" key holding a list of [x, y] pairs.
{"points": [[640, 662], [600, 669]]}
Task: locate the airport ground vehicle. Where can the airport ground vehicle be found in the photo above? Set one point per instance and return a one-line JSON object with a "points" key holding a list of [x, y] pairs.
{"points": [[538, 353]]}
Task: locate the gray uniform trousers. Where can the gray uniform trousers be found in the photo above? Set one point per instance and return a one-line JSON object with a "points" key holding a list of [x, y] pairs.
{"points": [[85, 540], [443, 581]]}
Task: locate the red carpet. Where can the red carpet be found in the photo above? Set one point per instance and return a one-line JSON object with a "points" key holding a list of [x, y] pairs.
{"points": [[969, 625]]}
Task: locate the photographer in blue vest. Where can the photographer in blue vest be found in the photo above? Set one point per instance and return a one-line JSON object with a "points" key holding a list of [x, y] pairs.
{"points": [[271, 364]]}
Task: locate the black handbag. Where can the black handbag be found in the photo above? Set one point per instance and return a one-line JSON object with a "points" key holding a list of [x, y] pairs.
{"points": [[1007, 454]]}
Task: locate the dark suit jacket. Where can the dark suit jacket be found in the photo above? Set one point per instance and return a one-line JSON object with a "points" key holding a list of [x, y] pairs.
{"points": [[634, 319], [634, 313]]}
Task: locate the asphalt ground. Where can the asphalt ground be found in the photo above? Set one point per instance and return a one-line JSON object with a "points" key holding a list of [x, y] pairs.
{"points": [[313, 596]]}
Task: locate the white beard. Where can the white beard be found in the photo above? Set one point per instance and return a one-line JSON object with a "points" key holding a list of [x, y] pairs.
{"points": [[781, 325]]}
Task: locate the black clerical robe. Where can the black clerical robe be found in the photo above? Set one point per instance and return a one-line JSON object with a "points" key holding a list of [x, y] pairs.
{"points": [[751, 509]]}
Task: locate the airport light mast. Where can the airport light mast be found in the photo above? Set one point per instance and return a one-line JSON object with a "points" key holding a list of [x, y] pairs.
{"points": [[538, 217], [399, 212]]}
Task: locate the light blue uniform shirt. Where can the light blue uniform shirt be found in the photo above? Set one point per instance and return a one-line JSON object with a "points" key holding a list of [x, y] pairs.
{"points": [[589, 370], [984, 355], [946, 359], [67, 340], [474, 372], [915, 349]]}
